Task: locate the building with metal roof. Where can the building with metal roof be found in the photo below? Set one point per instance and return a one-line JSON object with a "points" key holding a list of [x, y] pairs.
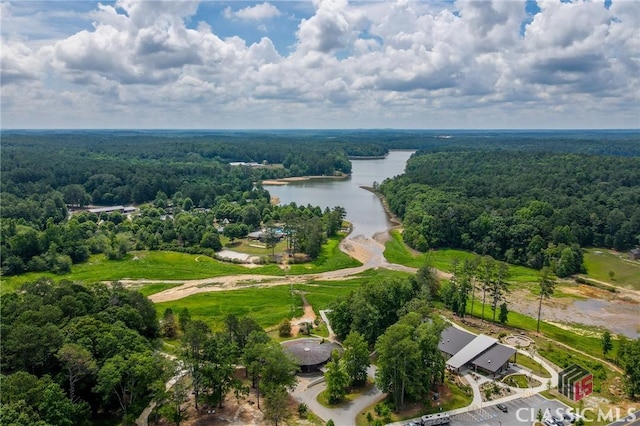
{"points": [[494, 359], [464, 349], [311, 354], [452, 340]]}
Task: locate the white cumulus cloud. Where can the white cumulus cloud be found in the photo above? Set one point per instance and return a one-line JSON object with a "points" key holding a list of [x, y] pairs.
{"points": [[258, 12], [360, 64]]}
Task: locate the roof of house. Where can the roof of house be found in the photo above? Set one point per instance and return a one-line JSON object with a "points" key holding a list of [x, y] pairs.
{"points": [[453, 339], [494, 358], [474, 348], [106, 209], [635, 251]]}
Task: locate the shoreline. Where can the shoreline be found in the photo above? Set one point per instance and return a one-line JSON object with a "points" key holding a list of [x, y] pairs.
{"points": [[384, 236], [392, 217], [287, 180]]}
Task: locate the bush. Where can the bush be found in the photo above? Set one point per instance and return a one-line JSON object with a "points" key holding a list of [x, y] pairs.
{"points": [[37, 264], [61, 264], [303, 410], [284, 329]]}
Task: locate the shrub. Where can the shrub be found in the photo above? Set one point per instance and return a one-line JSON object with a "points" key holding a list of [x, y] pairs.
{"points": [[303, 409], [284, 329]]}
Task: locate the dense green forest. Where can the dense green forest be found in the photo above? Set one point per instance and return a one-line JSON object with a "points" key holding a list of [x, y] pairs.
{"points": [[77, 354], [72, 353], [524, 207], [27, 247], [525, 197]]}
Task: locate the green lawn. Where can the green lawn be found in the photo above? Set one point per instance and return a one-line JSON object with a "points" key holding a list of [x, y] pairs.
{"points": [[268, 306], [252, 247], [600, 262], [532, 365], [352, 394], [396, 251], [519, 381], [330, 259], [151, 265], [169, 265]]}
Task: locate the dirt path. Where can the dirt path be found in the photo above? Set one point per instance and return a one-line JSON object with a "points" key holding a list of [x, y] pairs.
{"points": [[369, 251], [592, 306], [308, 316]]}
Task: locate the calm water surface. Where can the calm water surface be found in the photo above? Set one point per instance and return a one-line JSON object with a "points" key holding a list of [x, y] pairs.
{"points": [[364, 209]]}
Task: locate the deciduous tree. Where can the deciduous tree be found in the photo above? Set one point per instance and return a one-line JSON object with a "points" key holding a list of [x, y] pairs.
{"points": [[356, 358]]}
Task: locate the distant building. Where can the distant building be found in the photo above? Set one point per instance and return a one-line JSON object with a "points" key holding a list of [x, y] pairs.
{"points": [[634, 254], [256, 236], [466, 350], [242, 163], [111, 209]]}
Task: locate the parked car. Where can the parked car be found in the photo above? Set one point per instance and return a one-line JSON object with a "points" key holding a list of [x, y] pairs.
{"points": [[570, 417], [502, 408], [549, 422], [557, 421]]}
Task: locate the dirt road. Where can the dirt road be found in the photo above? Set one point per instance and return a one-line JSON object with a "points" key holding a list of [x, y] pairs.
{"points": [[369, 251]]}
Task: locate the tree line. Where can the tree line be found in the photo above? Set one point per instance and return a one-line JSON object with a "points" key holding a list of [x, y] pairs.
{"points": [[158, 226], [395, 317], [529, 208], [72, 353], [75, 354]]}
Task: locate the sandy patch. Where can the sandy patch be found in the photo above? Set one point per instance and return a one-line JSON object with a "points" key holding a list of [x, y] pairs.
{"points": [[286, 181]]}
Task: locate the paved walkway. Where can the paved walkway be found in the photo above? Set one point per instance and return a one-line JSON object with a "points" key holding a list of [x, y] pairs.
{"points": [[323, 315], [143, 419]]}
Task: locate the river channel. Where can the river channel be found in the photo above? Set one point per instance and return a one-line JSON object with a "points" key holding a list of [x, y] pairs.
{"points": [[364, 209]]}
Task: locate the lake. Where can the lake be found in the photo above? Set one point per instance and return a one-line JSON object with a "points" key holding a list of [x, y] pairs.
{"points": [[364, 209]]}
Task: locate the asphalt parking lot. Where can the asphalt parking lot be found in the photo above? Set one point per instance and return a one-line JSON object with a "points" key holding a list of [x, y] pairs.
{"points": [[520, 412]]}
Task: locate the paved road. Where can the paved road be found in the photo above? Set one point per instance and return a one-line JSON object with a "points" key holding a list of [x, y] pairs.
{"points": [[630, 420], [344, 415]]}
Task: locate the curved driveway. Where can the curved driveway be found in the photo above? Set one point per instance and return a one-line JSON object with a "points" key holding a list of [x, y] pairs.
{"points": [[346, 413]]}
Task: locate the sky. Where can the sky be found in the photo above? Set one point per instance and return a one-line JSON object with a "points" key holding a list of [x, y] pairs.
{"points": [[463, 64]]}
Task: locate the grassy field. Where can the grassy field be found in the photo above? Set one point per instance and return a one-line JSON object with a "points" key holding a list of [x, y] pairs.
{"points": [[590, 345], [169, 265], [252, 247], [601, 262], [268, 306], [330, 259], [396, 251], [532, 365], [152, 265]]}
